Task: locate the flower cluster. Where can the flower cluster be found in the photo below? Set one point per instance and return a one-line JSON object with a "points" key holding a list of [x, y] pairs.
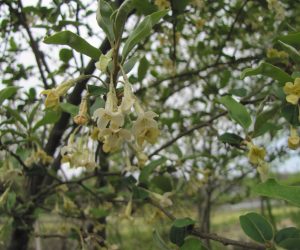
{"points": [[256, 156], [277, 7], [77, 153], [110, 121], [292, 91], [39, 156], [274, 53]]}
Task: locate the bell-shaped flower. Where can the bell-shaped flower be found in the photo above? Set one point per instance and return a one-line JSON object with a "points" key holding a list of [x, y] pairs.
{"points": [[294, 140], [292, 90], [109, 114], [77, 154], [54, 94], [256, 154], [128, 98], [145, 128], [82, 117], [113, 138]]}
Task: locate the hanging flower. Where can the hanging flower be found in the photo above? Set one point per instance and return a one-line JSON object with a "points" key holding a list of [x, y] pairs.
{"points": [[78, 154], [292, 90], [294, 140], [145, 128], [53, 95], [113, 139], [82, 117], [256, 154], [109, 114]]}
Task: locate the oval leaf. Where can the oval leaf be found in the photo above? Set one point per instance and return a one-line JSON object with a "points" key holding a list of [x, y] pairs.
{"points": [[269, 70], [271, 188], [256, 227]]}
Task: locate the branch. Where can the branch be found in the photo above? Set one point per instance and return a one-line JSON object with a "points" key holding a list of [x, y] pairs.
{"points": [[197, 71], [225, 241], [201, 125], [211, 236]]}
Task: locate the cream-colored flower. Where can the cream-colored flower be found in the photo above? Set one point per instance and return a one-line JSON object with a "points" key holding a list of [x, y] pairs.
{"points": [[109, 114], [52, 98], [77, 154], [128, 98], [294, 140], [145, 128], [263, 170], [104, 61], [292, 90], [82, 118], [256, 154], [39, 156], [113, 138], [53, 95]]}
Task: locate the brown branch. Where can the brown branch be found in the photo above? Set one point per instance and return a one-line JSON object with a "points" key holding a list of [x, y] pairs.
{"points": [[39, 56], [197, 71], [211, 236], [225, 241], [188, 131]]}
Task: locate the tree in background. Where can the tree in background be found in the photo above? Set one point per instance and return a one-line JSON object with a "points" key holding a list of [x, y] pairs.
{"points": [[157, 107]]}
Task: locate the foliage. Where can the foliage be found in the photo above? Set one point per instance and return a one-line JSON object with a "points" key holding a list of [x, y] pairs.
{"points": [[153, 105]]}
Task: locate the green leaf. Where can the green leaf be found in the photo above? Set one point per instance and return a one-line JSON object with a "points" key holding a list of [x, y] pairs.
{"points": [[292, 39], [7, 93], [290, 244], [162, 182], [145, 7], [139, 193], [96, 90], [291, 114], [256, 227], [142, 31], [238, 92], [148, 169], [103, 14], [287, 233], [179, 230], [192, 243], [143, 68], [293, 53], [17, 116], [236, 111], [231, 139], [158, 241], [69, 108], [50, 117], [183, 222], [121, 17], [261, 125], [128, 66], [271, 188], [98, 213], [65, 55], [269, 70], [75, 42]]}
